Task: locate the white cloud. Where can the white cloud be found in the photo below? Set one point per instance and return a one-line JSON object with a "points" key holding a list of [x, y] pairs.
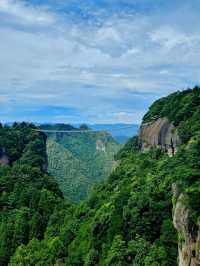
{"points": [[127, 117], [21, 12], [85, 65], [170, 38]]}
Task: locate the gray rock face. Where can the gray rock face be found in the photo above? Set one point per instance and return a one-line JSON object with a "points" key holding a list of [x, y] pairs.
{"points": [[4, 160], [162, 133], [100, 146], [159, 133], [189, 242]]}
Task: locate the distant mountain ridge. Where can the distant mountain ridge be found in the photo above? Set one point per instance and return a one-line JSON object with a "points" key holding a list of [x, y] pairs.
{"points": [[121, 132]]}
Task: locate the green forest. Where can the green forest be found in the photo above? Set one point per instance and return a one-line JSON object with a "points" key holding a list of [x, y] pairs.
{"points": [[79, 159], [28, 195], [127, 220]]}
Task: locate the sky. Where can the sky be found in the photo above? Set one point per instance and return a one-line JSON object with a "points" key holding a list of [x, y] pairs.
{"points": [[94, 61]]}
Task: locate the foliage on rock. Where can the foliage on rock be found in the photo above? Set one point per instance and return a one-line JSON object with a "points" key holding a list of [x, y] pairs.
{"points": [[127, 220]]}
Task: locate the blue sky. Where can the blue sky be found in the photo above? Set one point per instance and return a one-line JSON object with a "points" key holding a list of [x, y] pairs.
{"points": [[94, 61]]}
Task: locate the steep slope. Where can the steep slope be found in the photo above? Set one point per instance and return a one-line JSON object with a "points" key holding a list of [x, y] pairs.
{"points": [[78, 160], [183, 120], [28, 195], [146, 214], [67, 169], [159, 133], [126, 221]]}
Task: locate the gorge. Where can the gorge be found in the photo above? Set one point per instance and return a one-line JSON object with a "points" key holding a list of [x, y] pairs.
{"points": [[147, 213]]}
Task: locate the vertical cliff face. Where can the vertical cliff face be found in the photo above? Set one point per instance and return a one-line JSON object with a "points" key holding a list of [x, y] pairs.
{"points": [[163, 134], [159, 133], [188, 233]]}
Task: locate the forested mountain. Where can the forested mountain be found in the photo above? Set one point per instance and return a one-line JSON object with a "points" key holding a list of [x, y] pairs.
{"points": [[148, 209], [28, 195], [80, 158]]}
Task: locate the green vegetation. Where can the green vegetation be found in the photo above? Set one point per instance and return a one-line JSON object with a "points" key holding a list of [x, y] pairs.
{"points": [[127, 220], [79, 160], [182, 108], [28, 195]]}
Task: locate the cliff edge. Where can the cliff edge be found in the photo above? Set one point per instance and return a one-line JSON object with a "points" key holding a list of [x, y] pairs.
{"points": [[159, 133], [188, 232]]}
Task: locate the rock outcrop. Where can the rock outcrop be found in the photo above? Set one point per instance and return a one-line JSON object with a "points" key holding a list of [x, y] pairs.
{"points": [[4, 160], [159, 133], [188, 233], [100, 146]]}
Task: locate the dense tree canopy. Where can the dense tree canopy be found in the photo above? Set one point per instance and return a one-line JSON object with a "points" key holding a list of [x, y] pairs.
{"points": [[182, 108], [28, 195], [127, 220], [79, 160]]}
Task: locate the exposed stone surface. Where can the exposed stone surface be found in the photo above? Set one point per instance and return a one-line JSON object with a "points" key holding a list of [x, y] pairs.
{"points": [[189, 240], [100, 146], [4, 160], [159, 133]]}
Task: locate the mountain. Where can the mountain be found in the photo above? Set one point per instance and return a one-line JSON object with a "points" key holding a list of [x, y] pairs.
{"points": [[28, 195], [120, 132], [78, 159], [146, 214]]}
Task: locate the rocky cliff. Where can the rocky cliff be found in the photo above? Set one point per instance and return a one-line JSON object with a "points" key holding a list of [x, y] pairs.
{"points": [[188, 232], [4, 160], [159, 133], [162, 133]]}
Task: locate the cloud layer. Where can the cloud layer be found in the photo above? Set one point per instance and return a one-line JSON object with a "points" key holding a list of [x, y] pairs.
{"points": [[104, 61]]}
